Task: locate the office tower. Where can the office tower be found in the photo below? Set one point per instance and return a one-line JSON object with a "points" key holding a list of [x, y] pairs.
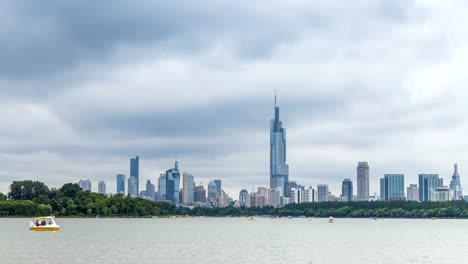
{"points": [[200, 194], [173, 184], [295, 195], [132, 186], [121, 183], [441, 194], [102, 187], [221, 199], [85, 185], [188, 190], [243, 197], [134, 190], [218, 185], [262, 196], [392, 187], [412, 193], [150, 190], [308, 196], [362, 181], [427, 184], [322, 193], [274, 197], [455, 185], [212, 190], [161, 187], [279, 170], [347, 190]]}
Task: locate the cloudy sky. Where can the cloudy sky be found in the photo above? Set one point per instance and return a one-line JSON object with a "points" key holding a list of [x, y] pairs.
{"points": [[84, 86]]}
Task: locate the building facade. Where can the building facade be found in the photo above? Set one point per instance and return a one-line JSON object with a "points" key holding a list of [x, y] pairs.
{"points": [[455, 186], [243, 197], [135, 172], [188, 188], [102, 187], [218, 185], [150, 190], [347, 190], [85, 185], [200, 194], [412, 193], [120, 183], [173, 184], [362, 181], [322, 193], [428, 183], [132, 186], [279, 170], [392, 187], [441, 194]]}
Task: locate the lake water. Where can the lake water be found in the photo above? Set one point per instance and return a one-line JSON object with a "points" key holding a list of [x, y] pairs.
{"points": [[236, 240]]}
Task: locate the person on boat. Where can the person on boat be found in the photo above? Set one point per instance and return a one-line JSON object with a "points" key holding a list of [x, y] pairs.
{"points": [[43, 223], [37, 222]]}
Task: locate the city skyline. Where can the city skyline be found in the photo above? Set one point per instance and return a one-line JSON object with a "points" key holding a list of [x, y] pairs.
{"points": [[387, 88]]}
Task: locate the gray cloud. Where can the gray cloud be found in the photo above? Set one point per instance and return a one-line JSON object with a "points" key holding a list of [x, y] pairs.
{"points": [[84, 86]]}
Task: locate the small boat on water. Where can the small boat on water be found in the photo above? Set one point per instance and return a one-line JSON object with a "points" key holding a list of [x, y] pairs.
{"points": [[250, 218], [433, 218], [331, 220], [44, 223]]}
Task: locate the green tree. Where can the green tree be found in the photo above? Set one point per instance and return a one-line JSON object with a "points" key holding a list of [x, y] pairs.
{"points": [[70, 189], [27, 190], [2, 196]]}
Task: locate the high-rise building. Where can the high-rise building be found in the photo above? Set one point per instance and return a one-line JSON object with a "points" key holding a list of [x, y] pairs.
{"points": [[150, 190], [133, 186], [274, 197], [85, 185], [362, 181], [161, 188], [455, 186], [173, 184], [441, 194], [308, 196], [200, 194], [322, 193], [392, 187], [212, 190], [121, 183], [188, 190], [427, 184], [218, 185], [243, 197], [135, 172], [412, 193], [102, 187], [347, 190], [279, 170]]}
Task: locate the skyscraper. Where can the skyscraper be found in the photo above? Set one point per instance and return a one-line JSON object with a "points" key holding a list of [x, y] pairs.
{"points": [[161, 187], [455, 186], [212, 190], [243, 197], [188, 191], [392, 187], [322, 193], [135, 173], [150, 189], [363, 181], [132, 186], [173, 184], [85, 185], [412, 193], [427, 184], [200, 194], [121, 183], [218, 185], [347, 190], [102, 187], [279, 170]]}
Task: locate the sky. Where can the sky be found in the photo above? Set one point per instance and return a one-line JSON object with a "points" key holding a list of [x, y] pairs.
{"points": [[86, 85]]}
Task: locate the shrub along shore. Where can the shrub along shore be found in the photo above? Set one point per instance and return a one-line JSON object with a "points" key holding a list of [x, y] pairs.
{"points": [[28, 198]]}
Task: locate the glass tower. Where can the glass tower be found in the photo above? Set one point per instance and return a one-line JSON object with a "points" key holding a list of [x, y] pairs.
{"points": [[455, 186], [134, 172], [427, 184], [279, 170], [121, 183], [347, 190], [173, 184], [362, 181], [392, 187]]}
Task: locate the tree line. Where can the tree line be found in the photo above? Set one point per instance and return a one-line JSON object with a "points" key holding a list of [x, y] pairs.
{"points": [[30, 198]]}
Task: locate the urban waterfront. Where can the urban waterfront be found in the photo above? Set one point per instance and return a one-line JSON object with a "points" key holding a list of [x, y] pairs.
{"points": [[236, 240]]}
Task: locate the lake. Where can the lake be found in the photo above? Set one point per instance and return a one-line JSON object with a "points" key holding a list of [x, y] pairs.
{"points": [[236, 240]]}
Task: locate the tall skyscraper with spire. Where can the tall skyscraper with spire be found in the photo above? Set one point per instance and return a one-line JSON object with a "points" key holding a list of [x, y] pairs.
{"points": [[455, 185], [279, 170]]}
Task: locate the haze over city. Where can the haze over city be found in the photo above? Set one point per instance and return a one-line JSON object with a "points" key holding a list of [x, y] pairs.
{"points": [[104, 82]]}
